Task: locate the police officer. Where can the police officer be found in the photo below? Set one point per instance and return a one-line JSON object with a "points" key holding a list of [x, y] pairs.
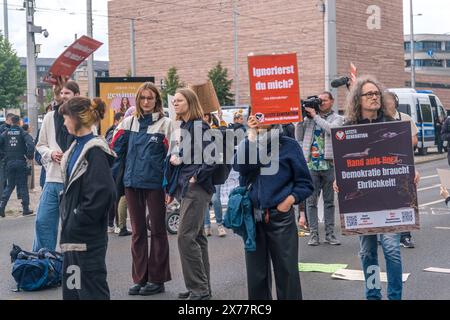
{"points": [[3, 128], [16, 146]]}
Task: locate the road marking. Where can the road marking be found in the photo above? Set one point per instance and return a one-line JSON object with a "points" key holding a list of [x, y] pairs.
{"points": [[430, 203], [428, 188], [442, 228], [429, 177]]}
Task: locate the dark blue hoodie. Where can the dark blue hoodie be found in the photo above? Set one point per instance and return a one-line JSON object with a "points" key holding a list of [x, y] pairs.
{"points": [[292, 178]]}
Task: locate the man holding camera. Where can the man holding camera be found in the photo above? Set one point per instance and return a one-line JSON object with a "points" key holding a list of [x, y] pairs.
{"points": [[314, 135]]}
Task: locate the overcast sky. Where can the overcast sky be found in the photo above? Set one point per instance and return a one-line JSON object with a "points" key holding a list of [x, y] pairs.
{"points": [[65, 18]]}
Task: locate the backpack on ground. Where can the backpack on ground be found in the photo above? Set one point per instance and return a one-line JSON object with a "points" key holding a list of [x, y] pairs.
{"points": [[34, 271]]}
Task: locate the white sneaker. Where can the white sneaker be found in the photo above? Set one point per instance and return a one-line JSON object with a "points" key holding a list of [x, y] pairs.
{"points": [[221, 230], [111, 229], [116, 230]]}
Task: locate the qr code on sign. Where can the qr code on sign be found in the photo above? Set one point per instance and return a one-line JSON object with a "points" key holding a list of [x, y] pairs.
{"points": [[351, 221], [407, 216]]}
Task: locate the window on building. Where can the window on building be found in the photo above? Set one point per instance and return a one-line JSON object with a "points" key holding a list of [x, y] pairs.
{"points": [[42, 69], [408, 63], [448, 63], [429, 45], [429, 63], [447, 45]]}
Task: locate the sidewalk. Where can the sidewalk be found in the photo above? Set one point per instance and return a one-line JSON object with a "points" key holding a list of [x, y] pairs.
{"points": [[431, 156]]}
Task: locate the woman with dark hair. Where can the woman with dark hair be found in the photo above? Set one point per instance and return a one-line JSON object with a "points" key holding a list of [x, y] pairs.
{"points": [[193, 187], [88, 195], [124, 105], [142, 142]]}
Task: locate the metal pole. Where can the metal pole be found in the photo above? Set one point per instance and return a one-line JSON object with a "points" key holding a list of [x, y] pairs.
{"points": [[31, 69], [90, 61], [413, 63], [133, 49], [236, 58], [5, 19], [330, 49]]}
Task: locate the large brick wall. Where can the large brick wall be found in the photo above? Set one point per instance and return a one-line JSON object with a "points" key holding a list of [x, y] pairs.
{"points": [[378, 52], [195, 35]]}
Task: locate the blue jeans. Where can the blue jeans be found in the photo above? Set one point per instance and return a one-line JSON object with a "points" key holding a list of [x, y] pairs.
{"points": [[47, 217], [217, 205], [369, 261]]}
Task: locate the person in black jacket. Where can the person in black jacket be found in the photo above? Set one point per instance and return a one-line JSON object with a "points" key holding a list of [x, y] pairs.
{"points": [[4, 127], [89, 193], [194, 188], [16, 146]]}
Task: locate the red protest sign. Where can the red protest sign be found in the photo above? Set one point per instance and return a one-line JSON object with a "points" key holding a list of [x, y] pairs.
{"points": [[274, 88], [72, 57]]}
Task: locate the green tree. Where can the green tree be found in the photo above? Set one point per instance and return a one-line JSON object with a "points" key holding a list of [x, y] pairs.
{"points": [[12, 78], [171, 84], [219, 77]]}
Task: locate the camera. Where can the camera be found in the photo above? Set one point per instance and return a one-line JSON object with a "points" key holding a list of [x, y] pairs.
{"points": [[312, 102], [45, 33]]}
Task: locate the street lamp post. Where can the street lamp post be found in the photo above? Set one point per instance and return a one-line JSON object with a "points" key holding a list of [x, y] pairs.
{"points": [[413, 67]]}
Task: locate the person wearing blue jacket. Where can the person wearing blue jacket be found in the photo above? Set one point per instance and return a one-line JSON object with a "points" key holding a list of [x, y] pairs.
{"points": [[273, 192], [142, 141]]}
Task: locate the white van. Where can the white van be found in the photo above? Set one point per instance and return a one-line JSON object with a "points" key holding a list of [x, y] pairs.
{"points": [[424, 108]]}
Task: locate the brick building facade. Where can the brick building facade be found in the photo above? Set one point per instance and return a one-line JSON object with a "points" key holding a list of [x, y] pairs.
{"points": [[194, 35]]}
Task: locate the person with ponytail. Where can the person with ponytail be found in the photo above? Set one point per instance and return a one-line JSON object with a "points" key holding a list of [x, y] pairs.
{"points": [[88, 195]]}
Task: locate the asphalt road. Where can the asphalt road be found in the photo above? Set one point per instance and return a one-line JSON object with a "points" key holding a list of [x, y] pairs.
{"points": [[227, 259]]}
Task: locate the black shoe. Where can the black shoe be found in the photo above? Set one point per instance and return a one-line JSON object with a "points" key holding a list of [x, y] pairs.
{"points": [[134, 289], [407, 243], [184, 295], [152, 288], [27, 212], [124, 232], [2, 212], [205, 296]]}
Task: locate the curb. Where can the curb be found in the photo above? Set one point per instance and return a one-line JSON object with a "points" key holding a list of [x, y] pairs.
{"points": [[429, 158]]}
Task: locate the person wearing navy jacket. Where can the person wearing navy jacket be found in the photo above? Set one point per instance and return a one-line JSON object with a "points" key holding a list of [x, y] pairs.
{"points": [[143, 139], [193, 188], [273, 192]]}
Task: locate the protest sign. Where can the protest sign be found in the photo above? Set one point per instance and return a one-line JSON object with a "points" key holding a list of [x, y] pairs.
{"points": [[274, 88], [66, 64], [207, 96], [374, 166]]}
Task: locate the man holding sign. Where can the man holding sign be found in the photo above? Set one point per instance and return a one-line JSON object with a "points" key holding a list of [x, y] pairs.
{"points": [[368, 173]]}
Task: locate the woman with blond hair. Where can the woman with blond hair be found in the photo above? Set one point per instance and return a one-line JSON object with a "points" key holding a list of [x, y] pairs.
{"points": [[88, 195], [142, 142], [193, 187]]}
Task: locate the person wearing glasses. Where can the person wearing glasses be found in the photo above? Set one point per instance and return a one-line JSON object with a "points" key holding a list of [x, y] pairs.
{"points": [[365, 104], [143, 140], [314, 135]]}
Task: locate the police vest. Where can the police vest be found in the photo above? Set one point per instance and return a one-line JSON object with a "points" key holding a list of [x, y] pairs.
{"points": [[15, 148]]}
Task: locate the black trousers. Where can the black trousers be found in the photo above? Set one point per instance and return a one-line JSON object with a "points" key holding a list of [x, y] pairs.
{"points": [[84, 275], [276, 242], [16, 174]]}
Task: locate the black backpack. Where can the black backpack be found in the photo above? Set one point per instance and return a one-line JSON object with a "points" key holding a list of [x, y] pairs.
{"points": [[222, 170]]}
